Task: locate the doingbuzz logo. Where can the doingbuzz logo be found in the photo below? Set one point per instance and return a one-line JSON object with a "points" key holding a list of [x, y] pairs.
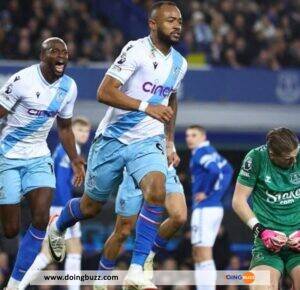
{"points": [[247, 277]]}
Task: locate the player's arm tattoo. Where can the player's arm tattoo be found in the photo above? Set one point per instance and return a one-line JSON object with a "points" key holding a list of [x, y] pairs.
{"points": [[170, 126], [66, 136]]}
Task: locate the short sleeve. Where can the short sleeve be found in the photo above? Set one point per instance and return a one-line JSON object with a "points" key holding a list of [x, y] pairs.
{"points": [[66, 111], [182, 73], [250, 169], [10, 93], [125, 64]]}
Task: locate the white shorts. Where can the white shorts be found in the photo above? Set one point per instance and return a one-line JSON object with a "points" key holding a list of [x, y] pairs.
{"points": [[205, 223], [72, 232]]}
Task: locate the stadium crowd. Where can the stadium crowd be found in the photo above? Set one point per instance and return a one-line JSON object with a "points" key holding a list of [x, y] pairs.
{"points": [[226, 32]]}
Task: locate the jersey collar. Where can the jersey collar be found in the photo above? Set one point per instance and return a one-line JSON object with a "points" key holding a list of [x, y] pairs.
{"points": [[203, 144], [155, 49], [42, 77]]}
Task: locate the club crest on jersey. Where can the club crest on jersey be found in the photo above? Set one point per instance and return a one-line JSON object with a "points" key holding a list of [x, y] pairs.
{"points": [[295, 178], [61, 94], [176, 70], [155, 64]]}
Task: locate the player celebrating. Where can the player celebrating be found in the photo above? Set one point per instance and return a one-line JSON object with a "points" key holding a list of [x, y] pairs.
{"points": [[137, 88], [30, 101], [211, 177], [64, 192], [271, 173]]}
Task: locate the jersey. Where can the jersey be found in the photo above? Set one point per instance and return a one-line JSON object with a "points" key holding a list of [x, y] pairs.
{"points": [[64, 175], [148, 75], [33, 105], [276, 191], [210, 173]]}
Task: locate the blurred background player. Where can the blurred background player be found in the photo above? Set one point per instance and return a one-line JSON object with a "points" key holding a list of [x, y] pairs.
{"points": [[137, 87], [63, 193], [211, 176], [31, 100], [271, 174]]}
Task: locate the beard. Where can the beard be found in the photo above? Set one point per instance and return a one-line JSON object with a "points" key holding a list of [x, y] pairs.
{"points": [[165, 38]]}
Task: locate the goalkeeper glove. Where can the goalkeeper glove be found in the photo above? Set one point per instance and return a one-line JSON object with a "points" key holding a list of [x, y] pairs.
{"points": [[294, 241], [272, 240]]}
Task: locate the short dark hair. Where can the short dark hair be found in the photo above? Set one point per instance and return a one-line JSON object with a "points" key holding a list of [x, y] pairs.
{"points": [[159, 4], [197, 127], [81, 121], [282, 140]]}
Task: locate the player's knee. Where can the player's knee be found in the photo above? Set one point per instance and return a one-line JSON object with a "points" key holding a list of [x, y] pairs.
{"points": [[90, 211], [201, 254], [153, 187], [40, 220], [179, 219], [156, 194], [11, 231], [90, 208]]}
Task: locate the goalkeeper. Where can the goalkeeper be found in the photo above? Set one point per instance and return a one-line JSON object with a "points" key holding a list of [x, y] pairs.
{"points": [[271, 173]]}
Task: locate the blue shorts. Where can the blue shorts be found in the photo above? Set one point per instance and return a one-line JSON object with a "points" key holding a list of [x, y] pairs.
{"points": [[20, 176], [130, 197], [108, 157]]}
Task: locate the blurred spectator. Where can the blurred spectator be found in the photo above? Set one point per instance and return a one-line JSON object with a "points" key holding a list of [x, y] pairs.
{"points": [[234, 263], [202, 32], [169, 264]]}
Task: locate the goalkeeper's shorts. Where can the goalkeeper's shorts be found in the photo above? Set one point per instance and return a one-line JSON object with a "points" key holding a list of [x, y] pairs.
{"points": [[285, 260]]}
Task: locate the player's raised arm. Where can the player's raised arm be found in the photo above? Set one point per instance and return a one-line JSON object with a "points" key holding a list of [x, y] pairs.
{"points": [[67, 139]]}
